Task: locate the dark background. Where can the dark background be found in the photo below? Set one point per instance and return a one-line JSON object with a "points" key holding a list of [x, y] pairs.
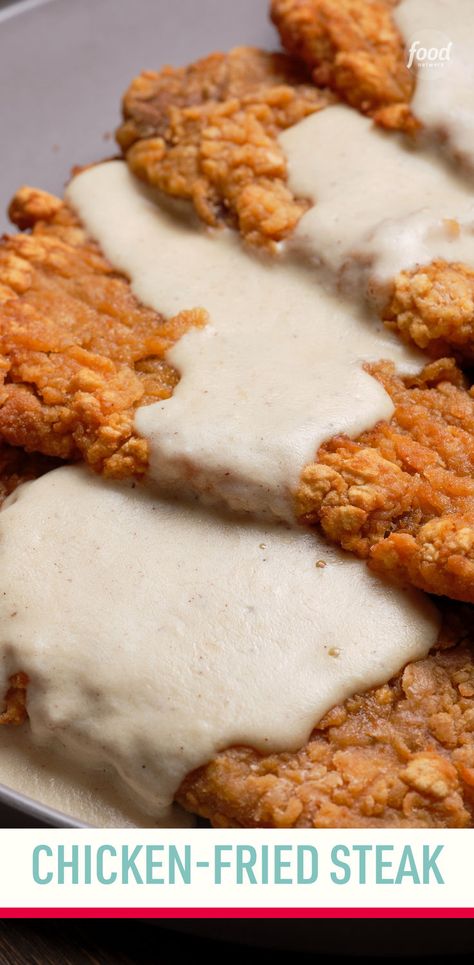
{"points": [[140, 943]]}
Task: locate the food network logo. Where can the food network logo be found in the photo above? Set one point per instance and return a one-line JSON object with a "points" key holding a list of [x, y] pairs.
{"points": [[428, 57], [429, 52]]}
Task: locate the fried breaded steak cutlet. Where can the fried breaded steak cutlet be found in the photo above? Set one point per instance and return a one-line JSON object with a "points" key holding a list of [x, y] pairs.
{"points": [[208, 133], [354, 48], [401, 755], [433, 307], [398, 756], [78, 353], [15, 711], [402, 495]]}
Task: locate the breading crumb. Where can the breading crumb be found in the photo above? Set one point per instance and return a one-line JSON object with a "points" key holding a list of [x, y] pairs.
{"points": [[399, 756], [78, 352], [208, 133]]}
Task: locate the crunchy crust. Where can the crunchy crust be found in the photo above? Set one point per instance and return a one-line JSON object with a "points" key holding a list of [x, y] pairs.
{"points": [[208, 133], [353, 47], [433, 307], [399, 756], [15, 700], [402, 495], [78, 353]]}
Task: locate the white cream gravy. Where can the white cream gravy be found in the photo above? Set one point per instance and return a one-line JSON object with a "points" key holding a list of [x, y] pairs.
{"points": [[85, 794], [380, 205], [444, 94], [276, 372], [155, 634]]}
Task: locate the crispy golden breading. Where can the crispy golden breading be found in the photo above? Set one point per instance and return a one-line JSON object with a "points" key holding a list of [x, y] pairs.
{"points": [[353, 47], [78, 352], [433, 307], [402, 495], [15, 700], [208, 133], [399, 756]]}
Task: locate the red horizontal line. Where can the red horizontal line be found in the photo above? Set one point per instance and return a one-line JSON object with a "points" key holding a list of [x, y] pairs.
{"points": [[236, 913]]}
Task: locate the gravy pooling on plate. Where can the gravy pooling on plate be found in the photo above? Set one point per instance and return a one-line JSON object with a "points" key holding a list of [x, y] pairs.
{"points": [[442, 99], [155, 634], [380, 204], [277, 370]]}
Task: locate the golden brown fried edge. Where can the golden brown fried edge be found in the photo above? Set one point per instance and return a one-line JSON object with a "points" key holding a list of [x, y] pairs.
{"points": [[354, 48], [401, 755], [402, 494], [78, 352], [208, 133]]}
